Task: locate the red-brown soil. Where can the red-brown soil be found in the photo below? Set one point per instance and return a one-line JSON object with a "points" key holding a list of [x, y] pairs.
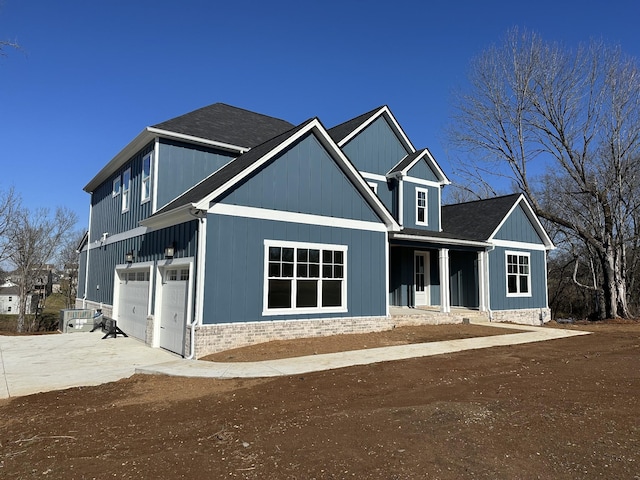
{"points": [[561, 409]]}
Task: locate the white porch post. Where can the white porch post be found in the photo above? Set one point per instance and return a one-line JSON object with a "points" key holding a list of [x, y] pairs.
{"points": [[445, 294], [482, 281]]}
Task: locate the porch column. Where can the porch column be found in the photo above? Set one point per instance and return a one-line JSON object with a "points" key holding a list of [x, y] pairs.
{"points": [[482, 281], [445, 292]]}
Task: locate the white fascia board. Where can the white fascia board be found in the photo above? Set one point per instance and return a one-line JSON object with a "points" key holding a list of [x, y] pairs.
{"points": [[440, 240], [426, 154], [176, 216], [198, 140], [439, 172], [532, 217], [374, 176], [394, 124], [518, 245], [420, 181], [148, 135]]}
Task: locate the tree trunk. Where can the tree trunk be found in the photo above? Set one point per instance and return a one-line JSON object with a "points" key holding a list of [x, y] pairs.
{"points": [[615, 292]]}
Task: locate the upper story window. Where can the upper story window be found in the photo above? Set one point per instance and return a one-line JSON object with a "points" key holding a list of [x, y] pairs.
{"points": [[116, 186], [421, 206], [518, 274], [126, 190], [146, 179], [304, 278]]}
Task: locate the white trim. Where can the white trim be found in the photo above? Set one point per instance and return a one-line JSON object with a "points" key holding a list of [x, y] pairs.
{"points": [[400, 201], [200, 273], [427, 277], [128, 207], [386, 274], [517, 254], [321, 134], [154, 175], [115, 193], [118, 237], [420, 181], [532, 217], [192, 139], [439, 240], [445, 292], [374, 176], [430, 161], [143, 200], [419, 190], [161, 268], [294, 217], [515, 244], [123, 267], [394, 125], [482, 290], [374, 187], [439, 209], [266, 311]]}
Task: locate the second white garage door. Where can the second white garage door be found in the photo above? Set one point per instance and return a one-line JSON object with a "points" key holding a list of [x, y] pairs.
{"points": [[174, 307]]}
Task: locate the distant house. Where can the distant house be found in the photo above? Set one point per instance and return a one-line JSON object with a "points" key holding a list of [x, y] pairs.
{"points": [[223, 227], [10, 300]]}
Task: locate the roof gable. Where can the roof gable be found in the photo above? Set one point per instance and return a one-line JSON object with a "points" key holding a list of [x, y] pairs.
{"points": [[228, 177], [410, 161], [483, 219]]}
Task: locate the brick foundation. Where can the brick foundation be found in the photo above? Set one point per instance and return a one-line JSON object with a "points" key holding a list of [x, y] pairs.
{"points": [[219, 337], [528, 316]]}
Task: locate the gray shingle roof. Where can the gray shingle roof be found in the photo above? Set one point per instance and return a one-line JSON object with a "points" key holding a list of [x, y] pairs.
{"points": [[406, 161], [476, 220], [223, 123], [341, 131]]}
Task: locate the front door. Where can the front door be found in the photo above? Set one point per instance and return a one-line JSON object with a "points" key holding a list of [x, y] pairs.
{"points": [[421, 278]]}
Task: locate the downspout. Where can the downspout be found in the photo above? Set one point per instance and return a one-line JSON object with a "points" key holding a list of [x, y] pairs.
{"points": [[200, 215], [86, 269]]}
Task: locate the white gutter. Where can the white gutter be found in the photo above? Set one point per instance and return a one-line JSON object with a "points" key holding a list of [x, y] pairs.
{"points": [[199, 286], [439, 240], [86, 272]]}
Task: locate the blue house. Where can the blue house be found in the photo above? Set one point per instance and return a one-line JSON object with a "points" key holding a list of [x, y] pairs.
{"points": [[224, 227]]}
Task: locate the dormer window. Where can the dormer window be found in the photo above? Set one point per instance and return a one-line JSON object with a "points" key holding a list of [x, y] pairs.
{"points": [[421, 207]]}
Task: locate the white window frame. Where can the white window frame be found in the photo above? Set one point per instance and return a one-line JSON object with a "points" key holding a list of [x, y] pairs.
{"points": [[117, 186], [425, 207], [145, 183], [266, 311], [519, 274], [126, 191]]}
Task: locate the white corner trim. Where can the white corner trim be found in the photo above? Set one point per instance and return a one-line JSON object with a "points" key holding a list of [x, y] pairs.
{"points": [[294, 217]]}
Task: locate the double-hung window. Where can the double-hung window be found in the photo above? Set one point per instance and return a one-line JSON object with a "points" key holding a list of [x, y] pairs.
{"points": [[304, 278], [421, 206], [146, 179], [116, 187], [126, 190], [518, 274]]}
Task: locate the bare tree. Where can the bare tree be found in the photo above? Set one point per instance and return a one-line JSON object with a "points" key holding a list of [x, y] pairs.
{"points": [[34, 239], [68, 263], [564, 126], [9, 203]]}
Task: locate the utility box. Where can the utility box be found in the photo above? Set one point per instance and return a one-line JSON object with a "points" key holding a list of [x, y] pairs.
{"points": [[76, 320]]}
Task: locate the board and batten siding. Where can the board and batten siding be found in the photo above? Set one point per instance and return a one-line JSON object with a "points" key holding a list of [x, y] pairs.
{"points": [[106, 209], [303, 179], [146, 248], [409, 206], [518, 228], [423, 171], [376, 149], [235, 276], [181, 166], [498, 280], [402, 270]]}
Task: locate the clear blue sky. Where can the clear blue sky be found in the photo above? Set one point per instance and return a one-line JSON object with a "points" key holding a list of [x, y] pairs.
{"points": [[93, 74]]}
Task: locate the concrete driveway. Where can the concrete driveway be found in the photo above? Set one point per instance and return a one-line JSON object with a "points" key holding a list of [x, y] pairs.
{"points": [[40, 363]]}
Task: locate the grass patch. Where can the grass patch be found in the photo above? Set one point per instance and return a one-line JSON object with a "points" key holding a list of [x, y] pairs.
{"points": [[48, 321]]}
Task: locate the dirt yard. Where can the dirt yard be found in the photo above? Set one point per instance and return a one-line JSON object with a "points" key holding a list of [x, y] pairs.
{"points": [[562, 409]]}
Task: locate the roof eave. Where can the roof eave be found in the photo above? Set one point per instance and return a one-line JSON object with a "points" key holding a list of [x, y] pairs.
{"points": [[441, 240], [176, 216]]}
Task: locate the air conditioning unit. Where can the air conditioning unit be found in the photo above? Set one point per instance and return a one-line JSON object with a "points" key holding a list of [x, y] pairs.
{"points": [[76, 320]]}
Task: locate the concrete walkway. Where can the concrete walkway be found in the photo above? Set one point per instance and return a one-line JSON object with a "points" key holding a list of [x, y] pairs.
{"points": [[32, 364], [329, 361]]}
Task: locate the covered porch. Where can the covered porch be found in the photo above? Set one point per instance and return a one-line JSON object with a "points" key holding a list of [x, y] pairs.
{"points": [[430, 272]]}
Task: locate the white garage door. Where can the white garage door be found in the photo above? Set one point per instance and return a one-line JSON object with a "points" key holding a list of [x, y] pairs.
{"points": [[133, 302], [173, 308]]}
